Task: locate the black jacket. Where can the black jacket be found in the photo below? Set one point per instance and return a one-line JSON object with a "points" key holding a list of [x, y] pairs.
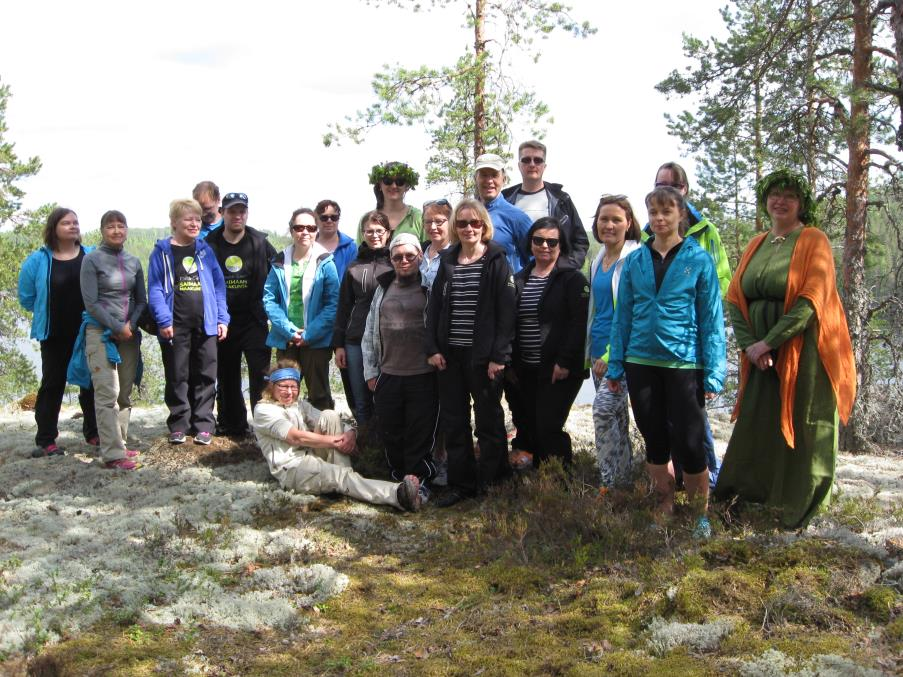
{"points": [[563, 310], [562, 208], [263, 254], [493, 326], [355, 293]]}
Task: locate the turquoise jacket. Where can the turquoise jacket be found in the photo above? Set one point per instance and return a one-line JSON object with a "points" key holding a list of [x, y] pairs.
{"points": [[34, 286], [321, 299], [681, 325], [706, 234]]}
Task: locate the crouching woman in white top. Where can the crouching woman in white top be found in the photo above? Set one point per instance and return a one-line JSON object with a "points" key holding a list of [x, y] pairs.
{"points": [[309, 451]]}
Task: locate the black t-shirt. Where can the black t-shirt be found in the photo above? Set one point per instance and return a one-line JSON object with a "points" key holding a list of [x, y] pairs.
{"points": [[187, 302], [65, 297], [235, 261]]}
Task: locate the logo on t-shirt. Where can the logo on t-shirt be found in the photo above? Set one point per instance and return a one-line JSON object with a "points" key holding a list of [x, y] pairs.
{"points": [[233, 263], [190, 265]]}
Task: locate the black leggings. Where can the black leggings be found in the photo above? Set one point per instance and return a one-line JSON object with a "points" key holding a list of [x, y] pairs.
{"points": [[669, 408]]}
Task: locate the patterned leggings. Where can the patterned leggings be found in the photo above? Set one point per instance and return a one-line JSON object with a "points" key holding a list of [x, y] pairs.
{"points": [[611, 421]]}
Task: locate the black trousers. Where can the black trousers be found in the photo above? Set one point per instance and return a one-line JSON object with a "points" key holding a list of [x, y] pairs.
{"points": [[539, 409], [56, 352], [408, 411], [248, 340], [669, 408], [189, 366], [459, 383]]}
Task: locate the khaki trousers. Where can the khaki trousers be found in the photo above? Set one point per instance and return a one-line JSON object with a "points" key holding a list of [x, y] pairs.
{"points": [[324, 471], [112, 390]]}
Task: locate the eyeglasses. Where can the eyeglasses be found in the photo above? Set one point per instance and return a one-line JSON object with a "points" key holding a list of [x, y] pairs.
{"points": [[540, 241], [329, 217], [394, 180], [669, 184], [287, 386], [435, 222], [375, 232], [298, 227], [532, 160], [398, 258], [476, 224]]}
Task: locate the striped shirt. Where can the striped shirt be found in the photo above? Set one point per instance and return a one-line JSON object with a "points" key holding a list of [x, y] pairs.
{"points": [[465, 290], [529, 339]]}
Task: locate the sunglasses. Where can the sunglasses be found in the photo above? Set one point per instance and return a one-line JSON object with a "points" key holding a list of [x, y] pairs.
{"points": [[532, 160], [329, 217], [439, 203], [394, 181], [476, 224], [540, 241], [298, 227], [398, 258]]}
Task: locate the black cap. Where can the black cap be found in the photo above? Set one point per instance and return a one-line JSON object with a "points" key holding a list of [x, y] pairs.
{"points": [[230, 199]]}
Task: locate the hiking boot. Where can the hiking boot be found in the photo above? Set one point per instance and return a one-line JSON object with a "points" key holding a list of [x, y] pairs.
{"points": [[703, 529], [450, 498], [50, 450], [177, 438], [203, 438], [120, 464], [132, 453], [408, 493]]}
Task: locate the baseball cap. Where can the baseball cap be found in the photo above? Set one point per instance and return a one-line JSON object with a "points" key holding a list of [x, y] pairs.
{"points": [[230, 199], [490, 161]]}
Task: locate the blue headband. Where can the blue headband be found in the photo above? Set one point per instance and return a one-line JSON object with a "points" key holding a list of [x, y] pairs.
{"points": [[285, 374]]}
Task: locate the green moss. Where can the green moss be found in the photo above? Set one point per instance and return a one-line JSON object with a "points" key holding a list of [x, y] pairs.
{"points": [[703, 594], [879, 601]]}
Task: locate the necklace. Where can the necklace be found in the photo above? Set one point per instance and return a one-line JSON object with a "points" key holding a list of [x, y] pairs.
{"points": [[779, 239]]}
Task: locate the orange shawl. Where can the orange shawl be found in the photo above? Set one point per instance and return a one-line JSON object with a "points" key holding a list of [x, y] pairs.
{"points": [[811, 276]]}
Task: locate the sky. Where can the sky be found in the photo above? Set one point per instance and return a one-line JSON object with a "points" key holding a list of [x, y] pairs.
{"points": [[129, 105]]}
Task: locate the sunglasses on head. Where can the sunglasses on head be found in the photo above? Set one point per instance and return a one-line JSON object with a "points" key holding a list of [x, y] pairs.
{"points": [[439, 203], [329, 217], [669, 184], [298, 227], [394, 181], [407, 256], [532, 160], [540, 241], [476, 224]]}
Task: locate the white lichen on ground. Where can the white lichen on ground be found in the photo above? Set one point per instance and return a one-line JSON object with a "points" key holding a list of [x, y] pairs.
{"points": [[666, 635], [773, 663]]}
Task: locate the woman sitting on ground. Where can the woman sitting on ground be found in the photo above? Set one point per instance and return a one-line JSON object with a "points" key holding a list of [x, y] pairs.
{"points": [[309, 451]]}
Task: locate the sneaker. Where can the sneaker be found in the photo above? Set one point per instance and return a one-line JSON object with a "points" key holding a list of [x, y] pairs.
{"points": [[132, 453], [408, 493], [93, 441], [50, 450], [425, 494], [120, 464], [703, 529], [519, 459], [441, 479], [177, 438], [203, 438], [450, 498]]}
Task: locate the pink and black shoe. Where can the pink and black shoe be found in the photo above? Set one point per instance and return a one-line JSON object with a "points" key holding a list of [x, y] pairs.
{"points": [[51, 449]]}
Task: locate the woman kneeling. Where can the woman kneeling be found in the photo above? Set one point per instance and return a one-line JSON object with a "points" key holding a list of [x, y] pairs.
{"points": [[309, 451]]}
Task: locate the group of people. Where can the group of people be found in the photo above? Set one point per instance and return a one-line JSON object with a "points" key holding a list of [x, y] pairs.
{"points": [[431, 314]]}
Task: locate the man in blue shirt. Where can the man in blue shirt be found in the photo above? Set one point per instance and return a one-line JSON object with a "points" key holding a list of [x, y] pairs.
{"points": [[207, 195], [510, 224]]}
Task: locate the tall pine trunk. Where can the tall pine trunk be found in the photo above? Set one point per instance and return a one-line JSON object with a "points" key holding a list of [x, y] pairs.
{"points": [[479, 89]]}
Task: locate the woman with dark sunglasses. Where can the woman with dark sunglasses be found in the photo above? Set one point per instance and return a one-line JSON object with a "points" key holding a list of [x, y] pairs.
{"points": [[548, 366], [469, 329], [300, 297], [391, 181], [343, 248]]}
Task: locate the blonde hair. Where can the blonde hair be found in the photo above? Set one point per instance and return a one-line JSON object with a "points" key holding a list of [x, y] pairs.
{"points": [[282, 363], [179, 207], [480, 209]]}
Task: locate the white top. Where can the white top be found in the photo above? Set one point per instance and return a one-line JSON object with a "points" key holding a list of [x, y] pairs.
{"points": [[536, 205], [272, 423]]}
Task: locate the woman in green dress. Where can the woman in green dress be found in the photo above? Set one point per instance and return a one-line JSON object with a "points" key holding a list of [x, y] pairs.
{"points": [[797, 368]]}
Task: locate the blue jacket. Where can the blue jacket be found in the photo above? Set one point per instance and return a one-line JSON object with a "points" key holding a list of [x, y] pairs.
{"points": [[344, 253], [681, 324], [78, 373], [510, 226], [321, 298], [34, 284], [160, 285]]}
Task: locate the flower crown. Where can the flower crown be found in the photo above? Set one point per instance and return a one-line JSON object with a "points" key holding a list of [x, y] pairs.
{"points": [[394, 170]]}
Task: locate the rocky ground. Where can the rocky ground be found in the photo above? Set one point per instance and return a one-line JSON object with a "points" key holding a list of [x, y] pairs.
{"points": [[202, 537]]}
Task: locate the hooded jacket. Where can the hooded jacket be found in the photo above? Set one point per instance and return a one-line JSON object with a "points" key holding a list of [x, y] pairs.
{"points": [[34, 289], [562, 317], [160, 283], [493, 325], [356, 292], [562, 208], [262, 253], [706, 234], [320, 291], [681, 325]]}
